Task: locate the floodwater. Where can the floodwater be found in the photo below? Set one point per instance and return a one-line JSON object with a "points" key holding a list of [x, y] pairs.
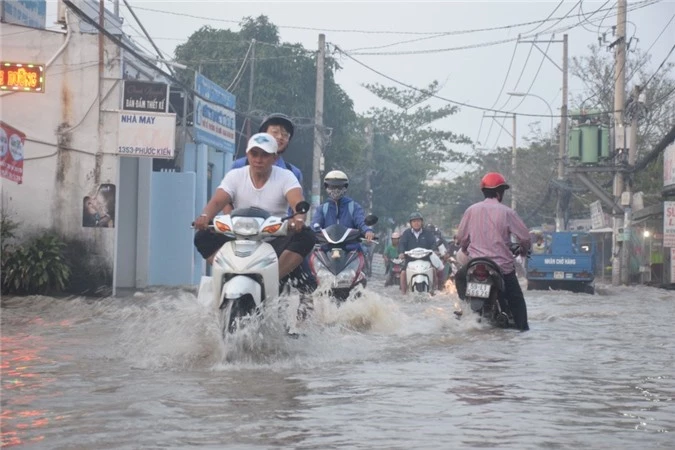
{"points": [[382, 372]]}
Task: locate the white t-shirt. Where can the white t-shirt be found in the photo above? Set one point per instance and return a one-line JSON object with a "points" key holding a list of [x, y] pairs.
{"points": [[271, 197]]}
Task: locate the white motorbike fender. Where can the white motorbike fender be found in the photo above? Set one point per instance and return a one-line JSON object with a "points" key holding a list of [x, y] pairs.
{"points": [[420, 271], [241, 285], [262, 261]]}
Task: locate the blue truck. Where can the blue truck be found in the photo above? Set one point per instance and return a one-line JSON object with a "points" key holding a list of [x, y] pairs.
{"points": [[564, 261]]}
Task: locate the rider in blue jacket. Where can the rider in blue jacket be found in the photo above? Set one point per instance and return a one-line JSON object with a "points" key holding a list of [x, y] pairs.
{"points": [[340, 209], [281, 127]]}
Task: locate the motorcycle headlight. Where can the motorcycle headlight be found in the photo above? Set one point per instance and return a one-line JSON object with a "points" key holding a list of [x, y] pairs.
{"points": [[245, 226], [347, 276]]}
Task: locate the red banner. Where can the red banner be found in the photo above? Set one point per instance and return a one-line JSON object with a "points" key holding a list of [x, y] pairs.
{"points": [[11, 153]]}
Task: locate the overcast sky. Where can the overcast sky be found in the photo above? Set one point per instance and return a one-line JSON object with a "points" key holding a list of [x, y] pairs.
{"points": [[473, 74]]}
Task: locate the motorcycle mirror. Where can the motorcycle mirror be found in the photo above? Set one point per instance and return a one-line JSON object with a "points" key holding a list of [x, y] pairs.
{"points": [[371, 219], [302, 207]]}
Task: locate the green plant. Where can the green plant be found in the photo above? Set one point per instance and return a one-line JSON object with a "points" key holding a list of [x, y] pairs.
{"points": [[36, 267], [7, 228]]}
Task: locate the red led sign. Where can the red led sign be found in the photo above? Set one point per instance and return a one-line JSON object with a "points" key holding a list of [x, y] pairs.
{"points": [[22, 77]]}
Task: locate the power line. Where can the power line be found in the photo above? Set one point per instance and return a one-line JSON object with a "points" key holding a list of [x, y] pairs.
{"points": [[660, 65]]}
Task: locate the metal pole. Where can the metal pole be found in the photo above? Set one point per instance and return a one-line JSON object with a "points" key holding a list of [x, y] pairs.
{"points": [[514, 167], [562, 145], [369, 162], [318, 122], [628, 194], [250, 91], [619, 135], [101, 77]]}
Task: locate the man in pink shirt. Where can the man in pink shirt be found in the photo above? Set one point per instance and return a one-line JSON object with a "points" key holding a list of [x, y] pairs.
{"points": [[485, 231]]}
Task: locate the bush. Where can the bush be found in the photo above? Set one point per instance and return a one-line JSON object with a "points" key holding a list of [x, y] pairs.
{"points": [[36, 267]]}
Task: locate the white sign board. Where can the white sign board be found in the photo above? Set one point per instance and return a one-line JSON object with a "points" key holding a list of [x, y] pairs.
{"points": [[148, 134], [669, 165], [672, 265], [597, 216], [669, 224]]}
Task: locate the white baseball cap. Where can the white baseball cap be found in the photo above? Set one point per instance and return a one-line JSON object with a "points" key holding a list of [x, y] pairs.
{"points": [[263, 141]]}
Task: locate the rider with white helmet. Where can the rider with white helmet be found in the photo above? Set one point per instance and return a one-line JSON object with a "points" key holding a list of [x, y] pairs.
{"points": [[339, 208]]}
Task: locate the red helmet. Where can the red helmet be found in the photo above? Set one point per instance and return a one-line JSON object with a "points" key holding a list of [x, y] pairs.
{"points": [[493, 180]]}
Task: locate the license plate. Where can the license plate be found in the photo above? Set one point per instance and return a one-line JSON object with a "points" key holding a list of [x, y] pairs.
{"points": [[478, 290], [558, 275]]}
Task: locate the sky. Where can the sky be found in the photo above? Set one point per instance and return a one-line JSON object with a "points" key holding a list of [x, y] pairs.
{"points": [[477, 68]]}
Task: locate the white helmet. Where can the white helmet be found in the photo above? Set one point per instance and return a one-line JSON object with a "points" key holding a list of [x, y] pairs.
{"points": [[336, 178], [395, 235]]}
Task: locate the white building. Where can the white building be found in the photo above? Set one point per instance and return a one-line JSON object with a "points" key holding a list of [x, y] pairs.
{"points": [[70, 160]]}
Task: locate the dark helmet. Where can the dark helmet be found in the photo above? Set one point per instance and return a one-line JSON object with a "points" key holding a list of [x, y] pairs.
{"points": [[493, 180], [415, 215], [277, 119]]}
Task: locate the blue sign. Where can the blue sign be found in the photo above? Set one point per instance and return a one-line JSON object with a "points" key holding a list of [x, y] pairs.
{"points": [[29, 13], [214, 116]]}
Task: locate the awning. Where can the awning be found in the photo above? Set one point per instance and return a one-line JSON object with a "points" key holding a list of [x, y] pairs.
{"points": [[601, 230]]}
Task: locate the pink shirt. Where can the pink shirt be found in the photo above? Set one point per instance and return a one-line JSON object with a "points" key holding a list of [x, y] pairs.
{"points": [[486, 229]]}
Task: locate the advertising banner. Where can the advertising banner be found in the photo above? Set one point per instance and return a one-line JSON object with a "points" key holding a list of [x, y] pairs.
{"points": [[145, 96], [669, 166], [29, 13], [11, 153], [669, 224], [214, 116], [597, 216], [146, 134]]}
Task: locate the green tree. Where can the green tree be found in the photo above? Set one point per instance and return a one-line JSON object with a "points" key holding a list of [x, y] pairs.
{"points": [[408, 149], [284, 81]]}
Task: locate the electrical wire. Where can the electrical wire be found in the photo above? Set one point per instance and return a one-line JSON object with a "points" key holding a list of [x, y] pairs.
{"points": [[241, 68], [660, 66]]}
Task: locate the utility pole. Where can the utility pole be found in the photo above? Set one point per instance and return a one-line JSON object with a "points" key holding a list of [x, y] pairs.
{"points": [[250, 91], [628, 194], [514, 166], [618, 233], [562, 149], [318, 122], [369, 165]]}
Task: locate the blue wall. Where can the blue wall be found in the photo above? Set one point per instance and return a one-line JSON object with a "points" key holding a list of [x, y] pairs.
{"points": [[171, 237]]}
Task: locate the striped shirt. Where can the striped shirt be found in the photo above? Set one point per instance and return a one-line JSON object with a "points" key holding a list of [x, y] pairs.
{"points": [[486, 229]]}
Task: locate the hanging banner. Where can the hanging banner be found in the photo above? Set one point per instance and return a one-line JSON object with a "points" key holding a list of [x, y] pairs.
{"points": [[669, 224], [146, 134], [145, 96], [669, 166], [214, 120], [11, 153]]}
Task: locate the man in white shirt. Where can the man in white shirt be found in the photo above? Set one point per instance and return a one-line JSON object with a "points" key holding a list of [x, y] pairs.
{"points": [[263, 185]]}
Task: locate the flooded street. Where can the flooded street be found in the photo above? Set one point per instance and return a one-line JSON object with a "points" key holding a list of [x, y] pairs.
{"points": [[382, 372]]}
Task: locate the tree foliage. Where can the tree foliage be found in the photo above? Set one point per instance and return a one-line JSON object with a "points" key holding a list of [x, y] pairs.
{"points": [[284, 80], [408, 149]]}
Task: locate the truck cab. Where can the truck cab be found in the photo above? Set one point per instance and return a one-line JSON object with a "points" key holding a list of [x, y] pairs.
{"points": [[564, 260]]}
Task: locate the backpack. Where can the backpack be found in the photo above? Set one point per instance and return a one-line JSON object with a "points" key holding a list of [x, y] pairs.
{"points": [[350, 207]]}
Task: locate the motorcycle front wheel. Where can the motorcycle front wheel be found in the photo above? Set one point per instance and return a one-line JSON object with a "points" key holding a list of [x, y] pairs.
{"points": [[233, 313]]}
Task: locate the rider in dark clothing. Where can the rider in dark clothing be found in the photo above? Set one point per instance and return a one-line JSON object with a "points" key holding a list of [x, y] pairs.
{"points": [[417, 236]]}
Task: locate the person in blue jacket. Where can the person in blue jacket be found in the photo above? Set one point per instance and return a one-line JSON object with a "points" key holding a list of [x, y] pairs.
{"points": [[281, 127], [339, 208], [343, 210]]}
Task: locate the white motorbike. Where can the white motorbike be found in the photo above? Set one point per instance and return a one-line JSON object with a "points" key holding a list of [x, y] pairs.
{"points": [[245, 270], [419, 271]]}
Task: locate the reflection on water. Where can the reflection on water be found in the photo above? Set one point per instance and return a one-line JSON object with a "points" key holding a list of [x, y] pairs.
{"points": [[381, 371]]}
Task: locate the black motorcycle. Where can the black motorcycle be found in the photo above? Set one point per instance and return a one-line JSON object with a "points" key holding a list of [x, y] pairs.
{"points": [[337, 262], [483, 282]]}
